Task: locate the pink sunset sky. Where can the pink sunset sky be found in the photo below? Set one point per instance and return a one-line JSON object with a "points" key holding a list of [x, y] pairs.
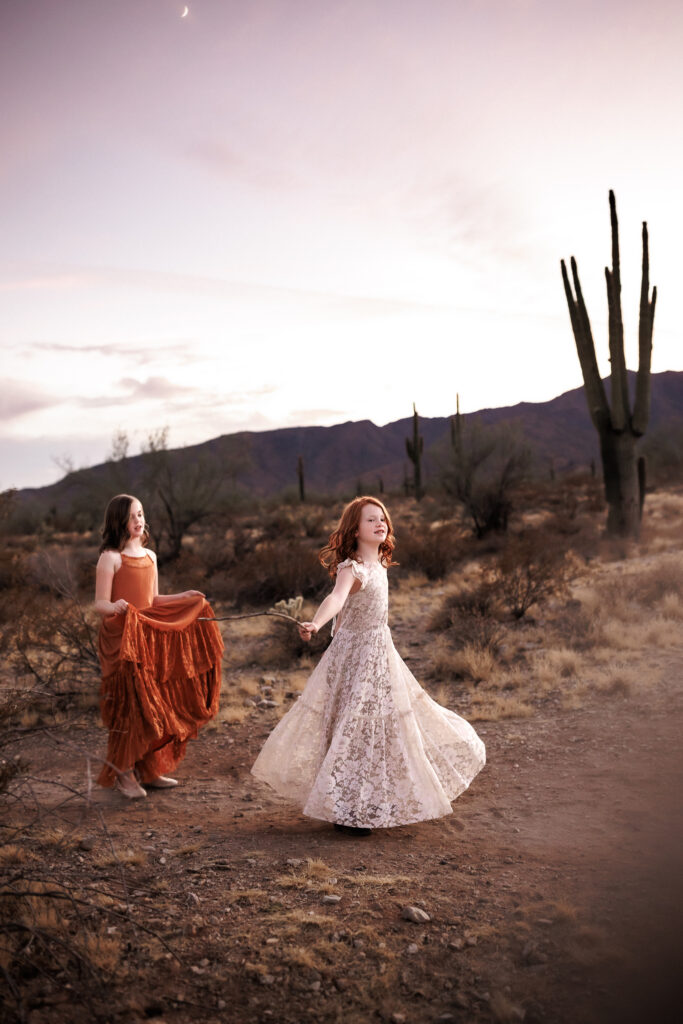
{"points": [[280, 212]]}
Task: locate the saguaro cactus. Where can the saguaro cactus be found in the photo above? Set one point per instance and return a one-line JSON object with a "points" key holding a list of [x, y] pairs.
{"points": [[300, 475], [414, 448], [456, 430], [618, 427]]}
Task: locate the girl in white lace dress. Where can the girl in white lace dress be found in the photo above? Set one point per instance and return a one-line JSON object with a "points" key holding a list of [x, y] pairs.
{"points": [[365, 746]]}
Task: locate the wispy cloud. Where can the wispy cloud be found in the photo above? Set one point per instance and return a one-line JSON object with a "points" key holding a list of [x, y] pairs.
{"points": [[226, 289], [179, 352], [153, 389], [18, 398]]}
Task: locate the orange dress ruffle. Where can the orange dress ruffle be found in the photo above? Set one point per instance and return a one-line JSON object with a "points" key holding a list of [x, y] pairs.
{"points": [[161, 674]]}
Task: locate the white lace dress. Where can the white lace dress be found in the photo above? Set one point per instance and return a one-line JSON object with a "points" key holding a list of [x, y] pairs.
{"points": [[364, 744]]}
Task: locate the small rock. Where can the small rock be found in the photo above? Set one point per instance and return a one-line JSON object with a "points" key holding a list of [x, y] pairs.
{"points": [[412, 949], [471, 940], [196, 970], [446, 1017], [267, 703], [204, 962], [456, 944], [315, 986], [331, 898], [271, 942], [87, 843], [294, 862], [415, 914], [266, 979], [162, 860], [358, 943], [341, 984], [221, 1004], [461, 1000], [398, 1018]]}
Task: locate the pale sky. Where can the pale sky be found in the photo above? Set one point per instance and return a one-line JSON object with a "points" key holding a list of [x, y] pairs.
{"points": [[285, 212]]}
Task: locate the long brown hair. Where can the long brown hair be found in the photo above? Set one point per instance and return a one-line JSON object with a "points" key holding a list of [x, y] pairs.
{"points": [[342, 542], [115, 528]]}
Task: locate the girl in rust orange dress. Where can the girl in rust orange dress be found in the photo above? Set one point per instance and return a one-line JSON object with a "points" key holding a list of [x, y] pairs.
{"points": [[161, 666]]}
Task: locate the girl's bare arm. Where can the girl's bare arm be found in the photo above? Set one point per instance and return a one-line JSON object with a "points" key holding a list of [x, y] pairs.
{"points": [[109, 562], [346, 584], [166, 598]]}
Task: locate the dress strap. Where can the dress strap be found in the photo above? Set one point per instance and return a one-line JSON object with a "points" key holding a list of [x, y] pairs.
{"points": [[359, 570]]}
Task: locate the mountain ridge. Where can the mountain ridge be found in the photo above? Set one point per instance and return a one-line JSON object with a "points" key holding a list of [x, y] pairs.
{"points": [[339, 457]]}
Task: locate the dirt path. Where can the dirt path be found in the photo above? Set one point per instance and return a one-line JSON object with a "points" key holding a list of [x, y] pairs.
{"points": [[554, 890]]}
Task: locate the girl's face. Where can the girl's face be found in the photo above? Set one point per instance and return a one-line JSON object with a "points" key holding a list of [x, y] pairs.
{"points": [[372, 527], [136, 520]]}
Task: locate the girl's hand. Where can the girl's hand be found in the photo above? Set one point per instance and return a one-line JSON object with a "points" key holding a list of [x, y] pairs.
{"points": [[193, 593], [306, 630], [120, 607]]}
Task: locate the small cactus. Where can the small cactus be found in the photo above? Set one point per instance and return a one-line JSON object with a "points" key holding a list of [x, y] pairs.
{"points": [[414, 449], [300, 475], [292, 606]]}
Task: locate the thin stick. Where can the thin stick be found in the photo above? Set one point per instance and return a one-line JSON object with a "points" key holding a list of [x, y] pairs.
{"points": [[248, 615]]}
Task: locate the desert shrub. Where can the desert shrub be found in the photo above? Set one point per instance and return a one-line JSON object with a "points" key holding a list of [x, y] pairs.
{"points": [[663, 450], [482, 469], [649, 587], [280, 524], [48, 634], [286, 647], [274, 571], [315, 525], [531, 567], [434, 551], [469, 618]]}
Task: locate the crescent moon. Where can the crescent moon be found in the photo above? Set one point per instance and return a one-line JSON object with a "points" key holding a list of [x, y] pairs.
{"points": [[185, 13]]}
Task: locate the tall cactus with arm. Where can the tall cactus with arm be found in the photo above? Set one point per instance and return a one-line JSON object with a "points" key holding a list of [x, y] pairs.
{"points": [[618, 427], [414, 449]]}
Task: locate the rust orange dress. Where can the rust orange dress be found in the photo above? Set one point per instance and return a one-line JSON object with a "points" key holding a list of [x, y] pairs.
{"points": [[161, 674]]}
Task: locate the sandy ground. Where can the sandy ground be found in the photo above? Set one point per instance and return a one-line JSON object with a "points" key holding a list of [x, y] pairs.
{"points": [[553, 890]]}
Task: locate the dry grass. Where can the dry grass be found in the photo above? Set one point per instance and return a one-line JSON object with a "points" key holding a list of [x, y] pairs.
{"points": [[552, 668], [476, 663], [616, 680], [235, 714], [376, 880], [185, 851], [317, 868], [495, 707], [671, 607], [102, 951], [127, 857], [12, 854], [303, 956], [249, 686], [294, 919], [246, 896]]}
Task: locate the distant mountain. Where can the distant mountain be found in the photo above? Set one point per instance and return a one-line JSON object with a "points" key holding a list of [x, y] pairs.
{"points": [[336, 459]]}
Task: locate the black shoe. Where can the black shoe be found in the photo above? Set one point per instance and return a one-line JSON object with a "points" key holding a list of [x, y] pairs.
{"points": [[350, 830]]}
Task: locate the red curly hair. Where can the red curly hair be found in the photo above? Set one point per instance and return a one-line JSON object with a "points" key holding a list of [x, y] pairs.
{"points": [[342, 542]]}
